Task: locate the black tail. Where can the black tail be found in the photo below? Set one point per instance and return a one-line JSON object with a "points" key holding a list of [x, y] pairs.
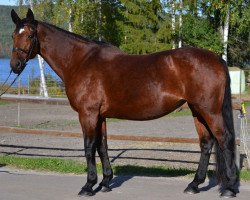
{"points": [[229, 133]]}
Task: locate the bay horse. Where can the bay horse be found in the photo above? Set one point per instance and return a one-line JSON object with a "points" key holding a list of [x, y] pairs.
{"points": [[103, 82]]}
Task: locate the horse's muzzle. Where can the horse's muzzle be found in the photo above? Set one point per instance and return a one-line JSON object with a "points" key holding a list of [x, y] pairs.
{"points": [[17, 66]]}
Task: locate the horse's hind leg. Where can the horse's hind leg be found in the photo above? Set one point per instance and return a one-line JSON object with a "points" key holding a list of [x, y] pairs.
{"points": [[102, 149], [206, 144], [221, 126]]}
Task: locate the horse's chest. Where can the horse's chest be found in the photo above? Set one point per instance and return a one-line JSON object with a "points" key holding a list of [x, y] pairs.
{"points": [[83, 95]]}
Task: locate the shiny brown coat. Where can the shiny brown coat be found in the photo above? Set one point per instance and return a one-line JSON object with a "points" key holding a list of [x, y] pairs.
{"points": [[103, 82]]}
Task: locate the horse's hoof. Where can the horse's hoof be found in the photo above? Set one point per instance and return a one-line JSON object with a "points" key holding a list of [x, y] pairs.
{"points": [[86, 192], [106, 189], [228, 194], [191, 190]]}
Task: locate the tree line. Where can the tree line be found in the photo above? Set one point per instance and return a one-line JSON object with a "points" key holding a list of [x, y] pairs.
{"points": [[6, 28], [145, 26]]}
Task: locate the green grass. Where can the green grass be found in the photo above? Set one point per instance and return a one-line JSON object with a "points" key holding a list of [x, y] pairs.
{"points": [[44, 164], [2, 103], [76, 167], [245, 175], [184, 112], [59, 124], [113, 120], [247, 103], [52, 124]]}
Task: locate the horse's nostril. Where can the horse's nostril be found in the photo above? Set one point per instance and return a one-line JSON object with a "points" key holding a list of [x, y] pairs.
{"points": [[18, 63]]}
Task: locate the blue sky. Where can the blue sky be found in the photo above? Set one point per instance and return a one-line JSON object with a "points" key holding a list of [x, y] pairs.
{"points": [[8, 2]]}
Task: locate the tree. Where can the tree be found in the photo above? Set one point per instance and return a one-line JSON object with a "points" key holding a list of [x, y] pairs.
{"points": [[232, 20], [180, 24], [173, 10], [144, 27], [43, 86], [198, 32], [239, 34]]}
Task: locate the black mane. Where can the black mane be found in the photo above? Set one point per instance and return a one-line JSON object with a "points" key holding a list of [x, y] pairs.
{"points": [[75, 36]]}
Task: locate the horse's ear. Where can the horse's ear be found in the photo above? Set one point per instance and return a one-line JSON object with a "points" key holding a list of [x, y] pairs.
{"points": [[30, 15], [15, 18]]}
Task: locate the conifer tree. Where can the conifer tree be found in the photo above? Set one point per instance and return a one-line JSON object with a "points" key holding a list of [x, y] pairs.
{"points": [[144, 26]]}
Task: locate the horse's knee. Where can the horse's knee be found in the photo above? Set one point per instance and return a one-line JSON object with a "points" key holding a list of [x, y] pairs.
{"points": [[88, 153]]}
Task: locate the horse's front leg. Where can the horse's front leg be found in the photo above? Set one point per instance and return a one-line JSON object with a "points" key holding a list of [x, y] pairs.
{"points": [[102, 149], [89, 123]]}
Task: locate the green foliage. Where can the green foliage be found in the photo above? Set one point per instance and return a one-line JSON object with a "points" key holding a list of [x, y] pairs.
{"points": [[6, 28], [198, 32], [93, 19], [55, 87], [239, 40], [144, 27]]}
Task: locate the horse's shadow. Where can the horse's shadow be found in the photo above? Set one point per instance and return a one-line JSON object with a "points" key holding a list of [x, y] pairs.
{"points": [[119, 180], [211, 184], [116, 182]]}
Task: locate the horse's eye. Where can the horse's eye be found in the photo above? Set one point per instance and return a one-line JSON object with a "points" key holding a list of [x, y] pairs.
{"points": [[30, 36]]}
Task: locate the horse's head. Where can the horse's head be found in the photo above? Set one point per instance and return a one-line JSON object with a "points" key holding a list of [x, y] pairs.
{"points": [[25, 43]]}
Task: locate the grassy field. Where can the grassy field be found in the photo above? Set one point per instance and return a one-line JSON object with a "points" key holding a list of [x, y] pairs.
{"points": [[76, 167]]}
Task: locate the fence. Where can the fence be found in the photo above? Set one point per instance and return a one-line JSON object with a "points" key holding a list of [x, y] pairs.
{"points": [[55, 117], [27, 86], [28, 82]]}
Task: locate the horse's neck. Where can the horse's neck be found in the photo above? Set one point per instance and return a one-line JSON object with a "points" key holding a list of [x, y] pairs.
{"points": [[57, 49]]}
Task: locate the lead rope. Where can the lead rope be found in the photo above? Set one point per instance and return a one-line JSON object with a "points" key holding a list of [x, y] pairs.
{"points": [[244, 133], [10, 84]]}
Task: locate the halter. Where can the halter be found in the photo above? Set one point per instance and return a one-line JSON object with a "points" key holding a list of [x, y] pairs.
{"points": [[28, 52], [33, 36]]}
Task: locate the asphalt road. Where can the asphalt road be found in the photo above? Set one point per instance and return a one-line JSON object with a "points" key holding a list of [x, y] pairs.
{"points": [[23, 185]]}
